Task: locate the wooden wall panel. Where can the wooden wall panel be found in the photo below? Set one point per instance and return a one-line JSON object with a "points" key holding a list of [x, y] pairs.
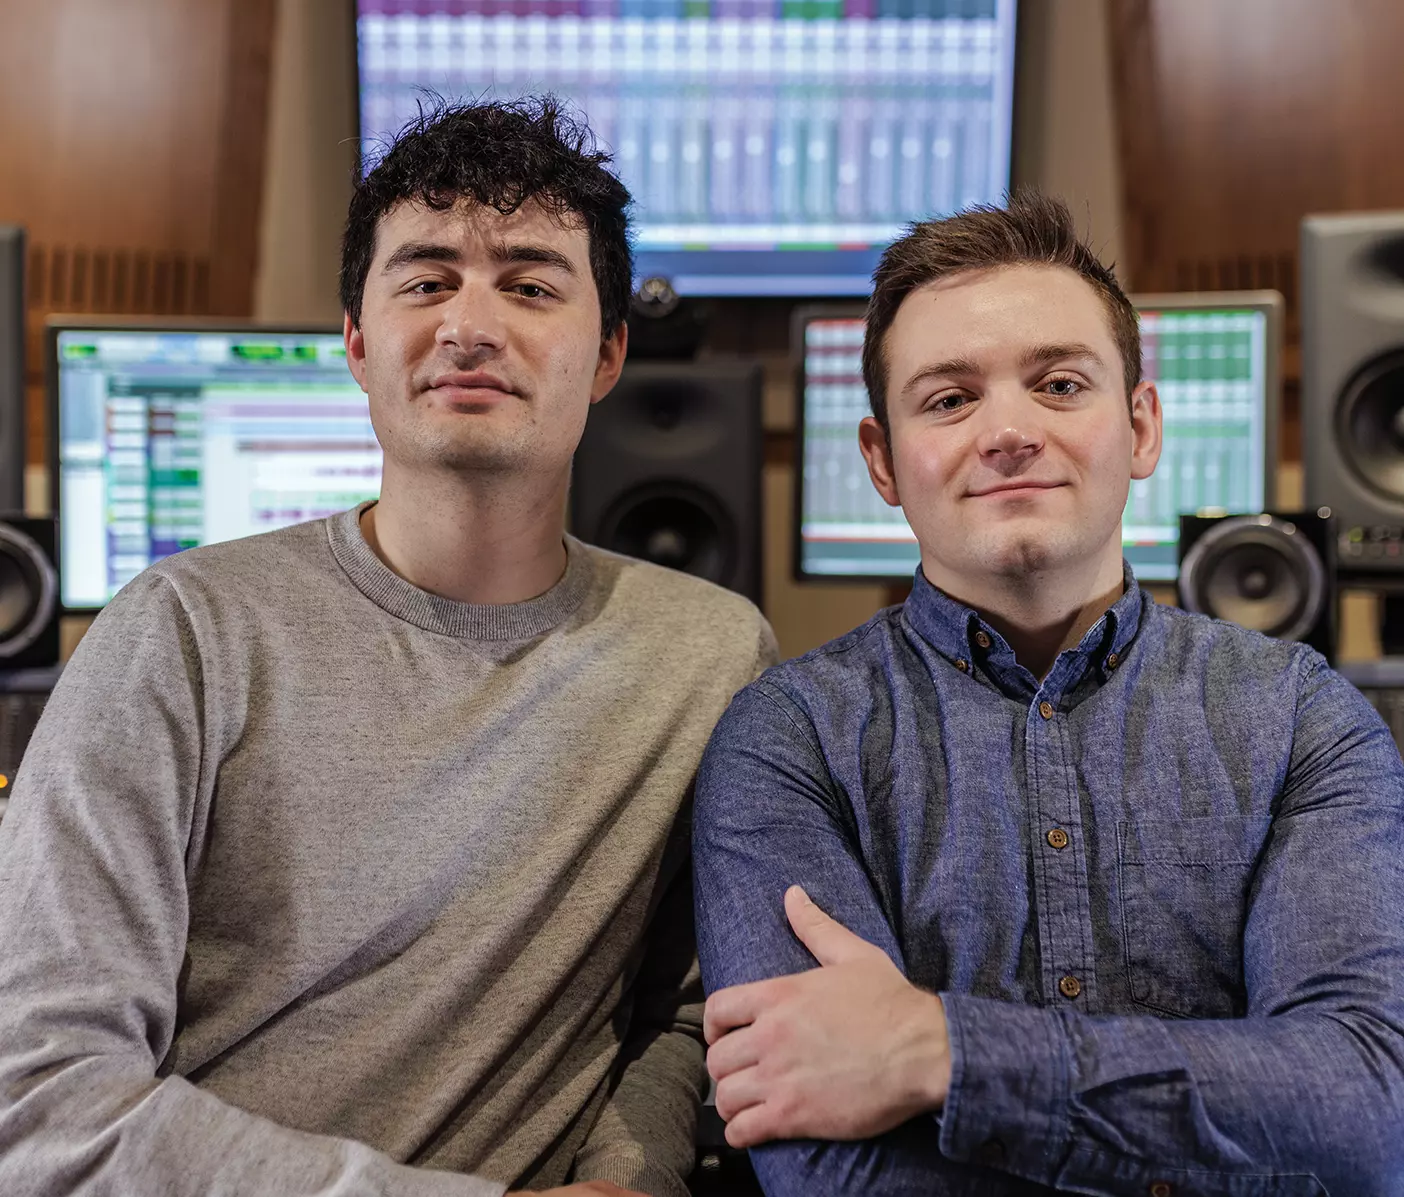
{"points": [[1238, 119], [133, 143]]}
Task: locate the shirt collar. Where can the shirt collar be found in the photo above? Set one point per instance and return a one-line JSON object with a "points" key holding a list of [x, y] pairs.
{"points": [[966, 641]]}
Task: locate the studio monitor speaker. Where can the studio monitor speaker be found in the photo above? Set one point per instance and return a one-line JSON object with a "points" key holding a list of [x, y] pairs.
{"points": [[29, 597], [1271, 572], [669, 470], [1353, 383]]}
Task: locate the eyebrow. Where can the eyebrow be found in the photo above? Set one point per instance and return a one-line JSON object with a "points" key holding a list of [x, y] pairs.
{"points": [[414, 252], [532, 253], [1034, 355]]}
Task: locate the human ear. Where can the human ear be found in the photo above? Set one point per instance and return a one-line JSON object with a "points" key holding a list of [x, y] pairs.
{"points": [[613, 350], [355, 341], [1146, 430], [877, 452]]}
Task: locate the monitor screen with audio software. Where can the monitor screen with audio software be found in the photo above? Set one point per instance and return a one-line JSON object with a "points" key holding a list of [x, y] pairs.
{"points": [[170, 437], [1214, 357], [773, 147]]}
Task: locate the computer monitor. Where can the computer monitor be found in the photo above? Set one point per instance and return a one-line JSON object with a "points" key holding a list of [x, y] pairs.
{"points": [[12, 421], [1215, 357], [773, 147], [170, 436]]}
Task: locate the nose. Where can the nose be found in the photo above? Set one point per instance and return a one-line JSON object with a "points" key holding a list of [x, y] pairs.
{"points": [[1012, 434], [473, 321]]}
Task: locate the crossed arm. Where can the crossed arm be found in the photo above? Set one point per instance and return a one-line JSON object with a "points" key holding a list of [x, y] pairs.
{"points": [[855, 1083]]}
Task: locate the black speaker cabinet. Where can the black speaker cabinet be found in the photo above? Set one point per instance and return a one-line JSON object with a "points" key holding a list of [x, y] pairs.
{"points": [[1353, 384], [29, 598], [669, 470], [1273, 572], [12, 423]]}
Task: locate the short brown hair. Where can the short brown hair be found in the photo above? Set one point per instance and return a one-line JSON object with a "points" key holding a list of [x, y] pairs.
{"points": [[1031, 230]]}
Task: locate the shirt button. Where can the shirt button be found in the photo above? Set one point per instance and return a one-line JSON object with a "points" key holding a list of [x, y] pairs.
{"points": [[963, 665], [982, 638], [1161, 1188], [990, 1153], [1070, 987], [1058, 838], [1113, 660], [1045, 708]]}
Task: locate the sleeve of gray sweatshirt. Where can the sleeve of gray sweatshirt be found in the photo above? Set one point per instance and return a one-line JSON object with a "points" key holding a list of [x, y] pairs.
{"points": [[94, 856], [645, 1136]]}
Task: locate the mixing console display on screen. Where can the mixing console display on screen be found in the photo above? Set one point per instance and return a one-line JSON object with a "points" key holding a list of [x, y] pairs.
{"points": [[773, 147], [1211, 369], [170, 439]]}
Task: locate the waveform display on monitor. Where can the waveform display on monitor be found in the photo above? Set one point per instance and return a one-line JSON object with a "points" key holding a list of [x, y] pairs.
{"points": [[757, 127], [1210, 368]]}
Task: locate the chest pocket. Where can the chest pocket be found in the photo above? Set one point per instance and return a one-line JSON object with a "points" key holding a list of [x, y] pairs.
{"points": [[1184, 887]]}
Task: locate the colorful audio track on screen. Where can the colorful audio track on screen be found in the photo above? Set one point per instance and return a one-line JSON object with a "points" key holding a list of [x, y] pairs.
{"points": [[1210, 367], [772, 146], [171, 439]]}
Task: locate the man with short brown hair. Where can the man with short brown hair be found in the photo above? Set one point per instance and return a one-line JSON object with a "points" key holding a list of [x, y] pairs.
{"points": [[1106, 897]]}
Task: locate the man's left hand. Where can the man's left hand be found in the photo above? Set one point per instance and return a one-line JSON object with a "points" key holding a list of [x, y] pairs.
{"points": [[845, 1051]]}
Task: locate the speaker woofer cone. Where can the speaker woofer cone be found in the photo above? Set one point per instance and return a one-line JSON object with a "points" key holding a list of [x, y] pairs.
{"points": [[28, 591], [674, 525], [1370, 425], [1257, 571]]}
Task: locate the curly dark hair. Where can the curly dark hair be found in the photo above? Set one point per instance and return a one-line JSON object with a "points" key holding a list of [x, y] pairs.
{"points": [[499, 155], [1031, 229]]}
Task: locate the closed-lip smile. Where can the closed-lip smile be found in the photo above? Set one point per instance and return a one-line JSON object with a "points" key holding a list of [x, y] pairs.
{"points": [[476, 380], [1016, 485]]}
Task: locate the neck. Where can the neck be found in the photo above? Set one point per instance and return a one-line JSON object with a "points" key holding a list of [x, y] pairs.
{"points": [[1040, 614], [472, 538]]}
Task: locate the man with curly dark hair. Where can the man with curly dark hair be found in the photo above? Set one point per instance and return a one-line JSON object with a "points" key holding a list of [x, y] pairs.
{"points": [[351, 858]]}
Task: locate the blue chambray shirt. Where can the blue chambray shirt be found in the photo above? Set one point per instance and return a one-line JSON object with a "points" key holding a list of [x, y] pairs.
{"points": [[1161, 894]]}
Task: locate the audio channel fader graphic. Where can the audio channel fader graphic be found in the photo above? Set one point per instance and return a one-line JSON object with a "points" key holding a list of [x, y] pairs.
{"points": [[768, 126]]}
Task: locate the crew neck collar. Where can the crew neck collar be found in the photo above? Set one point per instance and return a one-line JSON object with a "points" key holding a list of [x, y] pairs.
{"points": [[434, 613]]}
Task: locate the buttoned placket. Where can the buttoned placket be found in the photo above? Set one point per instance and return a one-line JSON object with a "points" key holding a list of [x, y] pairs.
{"points": [[1057, 842]]}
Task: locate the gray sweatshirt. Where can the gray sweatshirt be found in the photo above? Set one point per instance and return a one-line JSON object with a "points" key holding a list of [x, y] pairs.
{"points": [[310, 875]]}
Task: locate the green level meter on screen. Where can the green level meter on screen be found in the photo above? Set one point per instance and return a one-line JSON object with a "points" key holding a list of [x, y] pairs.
{"points": [[811, 10], [263, 351]]}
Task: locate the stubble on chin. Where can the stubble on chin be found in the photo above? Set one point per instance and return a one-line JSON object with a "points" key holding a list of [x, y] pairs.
{"points": [[1020, 555], [465, 449]]}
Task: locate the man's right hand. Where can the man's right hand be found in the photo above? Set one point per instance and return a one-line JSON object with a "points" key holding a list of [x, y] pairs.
{"points": [[587, 1188]]}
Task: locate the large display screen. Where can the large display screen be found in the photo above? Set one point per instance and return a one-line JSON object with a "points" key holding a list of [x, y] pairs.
{"points": [[773, 147], [169, 438], [1215, 365]]}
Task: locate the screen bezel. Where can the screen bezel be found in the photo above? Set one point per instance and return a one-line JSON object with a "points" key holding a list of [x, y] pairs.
{"points": [[14, 423], [58, 324], [1025, 26], [1270, 303]]}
